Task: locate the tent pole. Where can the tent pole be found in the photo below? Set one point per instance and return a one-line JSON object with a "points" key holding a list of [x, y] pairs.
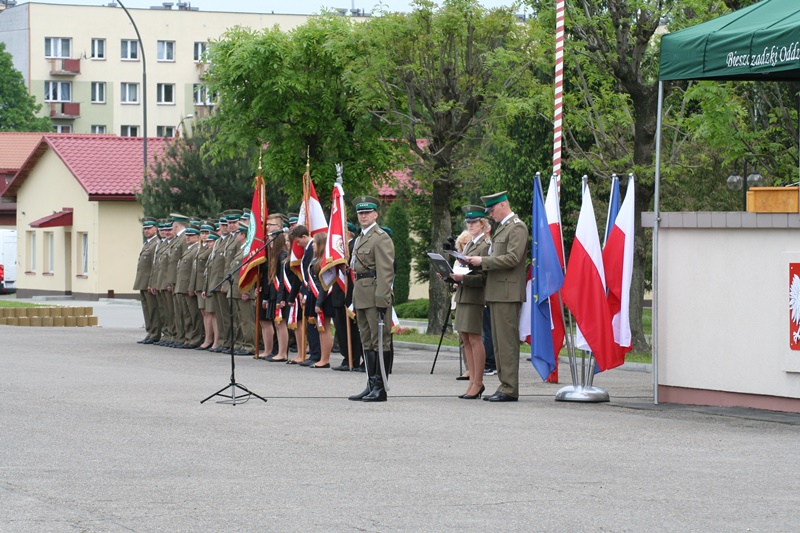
{"points": [[656, 223]]}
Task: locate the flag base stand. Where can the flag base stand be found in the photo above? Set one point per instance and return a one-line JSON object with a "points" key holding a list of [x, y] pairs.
{"points": [[583, 394]]}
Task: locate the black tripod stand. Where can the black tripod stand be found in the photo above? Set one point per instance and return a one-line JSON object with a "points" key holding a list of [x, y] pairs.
{"points": [[233, 385], [441, 338]]}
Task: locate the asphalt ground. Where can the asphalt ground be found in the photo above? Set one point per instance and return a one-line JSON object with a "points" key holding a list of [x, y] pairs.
{"points": [[98, 433]]}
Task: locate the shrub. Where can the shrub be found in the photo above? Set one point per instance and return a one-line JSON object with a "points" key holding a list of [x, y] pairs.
{"points": [[413, 309]]}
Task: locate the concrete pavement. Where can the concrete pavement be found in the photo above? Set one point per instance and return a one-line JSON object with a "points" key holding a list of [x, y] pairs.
{"points": [[98, 433]]}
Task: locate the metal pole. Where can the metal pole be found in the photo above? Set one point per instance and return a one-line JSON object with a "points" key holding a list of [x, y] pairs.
{"points": [[144, 89], [656, 222], [744, 187]]}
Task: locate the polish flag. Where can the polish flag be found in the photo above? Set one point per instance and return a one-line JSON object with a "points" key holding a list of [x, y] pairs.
{"points": [[618, 264], [584, 290], [312, 217]]}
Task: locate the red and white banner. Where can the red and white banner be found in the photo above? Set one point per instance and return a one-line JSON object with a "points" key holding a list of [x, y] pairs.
{"points": [[584, 290], [618, 264], [254, 253], [335, 248]]}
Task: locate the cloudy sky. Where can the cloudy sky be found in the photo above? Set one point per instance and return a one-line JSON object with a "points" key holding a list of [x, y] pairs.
{"points": [[267, 6]]}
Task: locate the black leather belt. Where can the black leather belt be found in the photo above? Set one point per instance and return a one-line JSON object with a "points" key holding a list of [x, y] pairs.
{"points": [[370, 274]]}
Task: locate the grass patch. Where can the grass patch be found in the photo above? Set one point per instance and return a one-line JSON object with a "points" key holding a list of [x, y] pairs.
{"points": [[450, 339], [14, 303]]}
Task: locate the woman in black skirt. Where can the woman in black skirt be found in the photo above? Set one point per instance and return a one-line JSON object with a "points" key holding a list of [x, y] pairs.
{"points": [[323, 306], [274, 310]]}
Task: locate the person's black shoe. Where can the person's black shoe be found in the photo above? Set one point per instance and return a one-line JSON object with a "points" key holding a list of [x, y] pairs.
{"points": [[141, 341], [359, 369], [342, 368], [178, 345], [500, 397], [360, 396], [242, 352], [378, 394], [147, 341], [308, 362]]}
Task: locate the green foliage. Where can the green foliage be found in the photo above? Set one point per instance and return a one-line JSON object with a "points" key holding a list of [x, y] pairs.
{"points": [[287, 91], [413, 309], [17, 108], [185, 179], [397, 220]]}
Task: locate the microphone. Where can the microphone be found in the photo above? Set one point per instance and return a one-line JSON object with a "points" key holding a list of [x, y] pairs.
{"points": [[279, 231]]}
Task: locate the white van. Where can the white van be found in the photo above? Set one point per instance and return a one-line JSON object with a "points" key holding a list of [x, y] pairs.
{"points": [[8, 258]]}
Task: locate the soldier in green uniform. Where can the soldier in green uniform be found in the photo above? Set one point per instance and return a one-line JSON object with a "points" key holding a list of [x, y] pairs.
{"points": [[244, 325], [187, 306], [505, 290], [217, 274], [141, 283], [373, 266], [159, 283], [178, 247], [198, 284]]}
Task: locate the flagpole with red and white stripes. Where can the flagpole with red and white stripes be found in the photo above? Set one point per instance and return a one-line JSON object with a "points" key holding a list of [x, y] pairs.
{"points": [[558, 93]]}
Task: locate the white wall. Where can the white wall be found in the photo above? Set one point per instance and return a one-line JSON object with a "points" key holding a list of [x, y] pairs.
{"points": [[723, 314]]}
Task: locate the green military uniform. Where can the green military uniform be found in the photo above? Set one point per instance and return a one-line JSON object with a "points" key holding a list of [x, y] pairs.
{"points": [[217, 274], [141, 283], [244, 310], [159, 282], [187, 306], [505, 292], [373, 266], [179, 306], [469, 296]]}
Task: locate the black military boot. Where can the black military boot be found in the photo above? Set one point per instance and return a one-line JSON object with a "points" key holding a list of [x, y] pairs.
{"points": [[371, 362], [378, 392]]}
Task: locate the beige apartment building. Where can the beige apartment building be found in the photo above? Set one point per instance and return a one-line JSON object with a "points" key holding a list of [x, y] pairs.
{"points": [[85, 63]]}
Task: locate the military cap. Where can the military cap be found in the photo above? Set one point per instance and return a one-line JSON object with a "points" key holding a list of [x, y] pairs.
{"points": [[473, 212], [149, 222], [352, 227], [365, 204], [244, 227], [193, 230], [183, 219], [233, 215], [164, 223], [293, 218], [493, 199], [223, 219], [194, 221], [206, 226], [213, 236]]}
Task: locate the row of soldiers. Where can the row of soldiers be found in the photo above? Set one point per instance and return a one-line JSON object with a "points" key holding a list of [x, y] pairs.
{"points": [[181, 278]]}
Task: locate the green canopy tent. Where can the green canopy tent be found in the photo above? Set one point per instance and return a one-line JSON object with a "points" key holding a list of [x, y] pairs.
{"points": [[760, 42]]}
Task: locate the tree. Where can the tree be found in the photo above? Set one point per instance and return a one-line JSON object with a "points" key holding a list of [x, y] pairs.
{"points": [[186, 179], [397, 221], [287, 91], [436, 74], [17, 108]]}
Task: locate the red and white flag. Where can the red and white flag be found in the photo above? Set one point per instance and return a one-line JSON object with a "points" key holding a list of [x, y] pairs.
{"points": [[254, 253], [584, 290], [335, 250], [553, 213], [618, 264], [311, 216]]}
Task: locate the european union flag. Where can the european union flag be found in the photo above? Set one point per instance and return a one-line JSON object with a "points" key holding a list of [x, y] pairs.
{"points": [[546, 279]]}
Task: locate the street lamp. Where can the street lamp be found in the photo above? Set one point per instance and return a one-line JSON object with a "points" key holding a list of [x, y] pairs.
{"points": [[180, 125], [144, 87], [736, 182]]}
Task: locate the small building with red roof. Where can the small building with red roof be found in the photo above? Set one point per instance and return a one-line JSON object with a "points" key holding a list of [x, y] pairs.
{"points": [[78, 221], [15, 148]]}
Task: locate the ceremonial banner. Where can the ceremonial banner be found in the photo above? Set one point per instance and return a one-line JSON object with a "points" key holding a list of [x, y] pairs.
{"points": [[254, 255], [335, 249]]}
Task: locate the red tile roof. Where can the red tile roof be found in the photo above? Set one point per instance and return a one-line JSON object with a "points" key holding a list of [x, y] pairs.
{"points": [[106, 166], [62, 218], [15, 147], [400, 180]]}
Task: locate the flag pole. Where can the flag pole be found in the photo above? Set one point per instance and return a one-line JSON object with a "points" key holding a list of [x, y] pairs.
{"points": [[340, 181], [258, 272], [304, 321]]}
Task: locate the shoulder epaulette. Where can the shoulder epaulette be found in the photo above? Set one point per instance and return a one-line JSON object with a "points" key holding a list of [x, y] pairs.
{"points": [[517, 221], [379, 231]]}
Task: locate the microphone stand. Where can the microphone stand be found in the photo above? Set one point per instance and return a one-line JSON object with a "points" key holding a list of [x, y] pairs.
{"points": [[233, 385]]}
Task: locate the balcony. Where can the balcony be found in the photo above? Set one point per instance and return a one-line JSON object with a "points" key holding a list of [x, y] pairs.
{"points": [[65, 67], [65, 110]]}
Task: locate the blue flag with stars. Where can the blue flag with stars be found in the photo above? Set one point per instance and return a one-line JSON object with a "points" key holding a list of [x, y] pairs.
{"points": [[546, 279]]}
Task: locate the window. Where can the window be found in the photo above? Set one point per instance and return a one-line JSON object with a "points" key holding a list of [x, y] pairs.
{"points": [[98, 48], [98, 92], [130, 50], [62, 128], [98, 129], [165, 131], [31, 249], [129, 93], [57, 47], [57, 91], [202, 96], [165, 93], [200, 50], [166, 50], [49, 251], [83, 239], [129, 131]]}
